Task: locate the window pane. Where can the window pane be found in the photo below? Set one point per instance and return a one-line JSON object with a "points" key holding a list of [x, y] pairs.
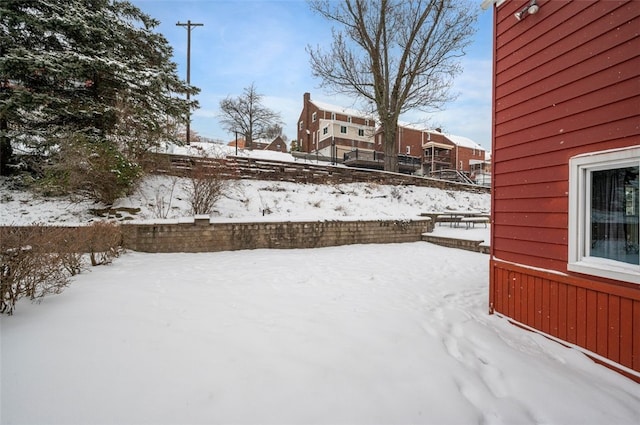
{"points": [[614, 214]]}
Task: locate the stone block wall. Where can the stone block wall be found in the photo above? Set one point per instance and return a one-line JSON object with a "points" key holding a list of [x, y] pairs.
{"points": [[466, 244], [201, 235]]}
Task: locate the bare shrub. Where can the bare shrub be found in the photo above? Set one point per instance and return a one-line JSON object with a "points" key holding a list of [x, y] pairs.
{"points": [[104, 242], [36, 261], [162, 205], [205, 187], [27, 269], [68, 247]]}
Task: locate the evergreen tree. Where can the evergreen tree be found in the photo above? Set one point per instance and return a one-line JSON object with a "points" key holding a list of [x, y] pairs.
{"points": [[89, 70]]}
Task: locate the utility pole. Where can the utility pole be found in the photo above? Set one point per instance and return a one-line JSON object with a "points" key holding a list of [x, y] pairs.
{"points": [[189, 25]]}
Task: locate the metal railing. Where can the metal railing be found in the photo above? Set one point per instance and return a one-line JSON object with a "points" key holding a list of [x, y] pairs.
{"points": [[452, 175], [358, 155]]}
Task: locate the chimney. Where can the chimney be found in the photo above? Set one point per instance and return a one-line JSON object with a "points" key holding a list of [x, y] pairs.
{"points": [[303, 133]]}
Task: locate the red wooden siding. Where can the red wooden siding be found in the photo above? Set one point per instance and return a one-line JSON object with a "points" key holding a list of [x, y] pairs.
{"points": [[567, 82], [598, 316]]}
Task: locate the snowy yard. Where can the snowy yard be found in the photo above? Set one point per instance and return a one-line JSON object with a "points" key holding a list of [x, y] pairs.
{"points": [[361, 334]]}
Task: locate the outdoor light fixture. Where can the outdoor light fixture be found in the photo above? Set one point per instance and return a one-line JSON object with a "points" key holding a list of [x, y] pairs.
{"points": [[530, 9]]}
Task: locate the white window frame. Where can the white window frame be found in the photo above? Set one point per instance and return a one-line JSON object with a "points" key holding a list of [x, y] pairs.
{"points": [[343, 127], [580, 169], [325, 130], [361, 132], [314, 117]]}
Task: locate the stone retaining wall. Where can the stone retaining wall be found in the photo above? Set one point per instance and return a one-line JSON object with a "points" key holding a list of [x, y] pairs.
{"points": [[466, 244], [201, 235]]}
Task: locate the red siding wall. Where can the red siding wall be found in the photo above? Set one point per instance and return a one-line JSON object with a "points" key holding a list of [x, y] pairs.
{"points": [[566, 82], [603, 318]]}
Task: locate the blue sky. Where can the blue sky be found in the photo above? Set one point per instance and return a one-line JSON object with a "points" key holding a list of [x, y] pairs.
{"points": [[263, 42]]}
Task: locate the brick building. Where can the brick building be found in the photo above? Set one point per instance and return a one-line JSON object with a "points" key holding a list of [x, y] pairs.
{"points": [[331, 131], [352, 137]]}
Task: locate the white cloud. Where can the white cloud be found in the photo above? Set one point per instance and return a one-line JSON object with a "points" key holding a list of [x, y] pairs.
{"points": [[263, 42]]}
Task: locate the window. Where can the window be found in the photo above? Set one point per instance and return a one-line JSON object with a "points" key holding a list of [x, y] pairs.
{"points": [[603, 214], [366, 122], [408, 149], [349, 119], [300, 126], [314, 117], [361, 132], [325, 130], [343, 129], [333, 115]]}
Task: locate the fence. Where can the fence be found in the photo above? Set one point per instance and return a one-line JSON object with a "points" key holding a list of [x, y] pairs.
{"points": [[236, 167]]}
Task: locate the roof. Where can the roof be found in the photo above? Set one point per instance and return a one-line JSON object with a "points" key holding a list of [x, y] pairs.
{"points": [[416, 126], [464, 141], [340, 110], [457, 140]]}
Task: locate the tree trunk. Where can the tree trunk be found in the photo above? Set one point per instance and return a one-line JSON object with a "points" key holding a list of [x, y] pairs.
{"points": [[6, 151], [390, 149]]}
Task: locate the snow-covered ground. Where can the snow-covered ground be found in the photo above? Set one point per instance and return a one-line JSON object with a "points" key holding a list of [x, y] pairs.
{"points": [[360, 334], [364, 334], [165, 197]]}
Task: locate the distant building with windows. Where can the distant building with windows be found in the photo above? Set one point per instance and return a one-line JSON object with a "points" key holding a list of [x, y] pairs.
{"points": [[353, 137], [331, 131], [441, 155]]}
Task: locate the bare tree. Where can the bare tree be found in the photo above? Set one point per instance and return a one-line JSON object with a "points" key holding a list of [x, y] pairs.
{"points": [[397, 55], [246, 115], [274, 131]]}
